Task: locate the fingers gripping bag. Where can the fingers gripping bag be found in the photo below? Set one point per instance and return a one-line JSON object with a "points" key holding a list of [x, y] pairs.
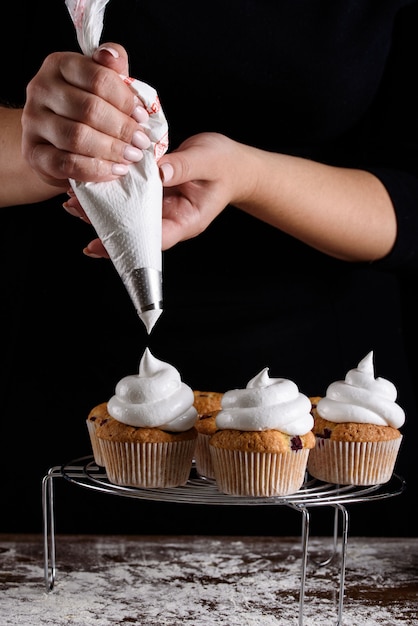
{"points": [[127, 213]]}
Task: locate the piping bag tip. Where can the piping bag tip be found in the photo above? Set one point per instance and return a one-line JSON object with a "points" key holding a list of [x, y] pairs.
{"points": [[144, 285]]}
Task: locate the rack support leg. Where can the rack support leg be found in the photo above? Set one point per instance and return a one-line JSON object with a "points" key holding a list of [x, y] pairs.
{"points": [[48, 530]]}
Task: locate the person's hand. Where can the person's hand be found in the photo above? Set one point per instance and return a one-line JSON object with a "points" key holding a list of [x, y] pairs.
{"points": [[81, 120], [200, 179]]}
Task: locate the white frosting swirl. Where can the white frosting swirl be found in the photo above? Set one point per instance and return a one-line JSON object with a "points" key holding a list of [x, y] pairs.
{"points": [[362, 398], [154, 398], [266, 403]]}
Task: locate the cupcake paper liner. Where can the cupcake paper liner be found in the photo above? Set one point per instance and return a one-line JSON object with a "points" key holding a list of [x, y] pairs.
{"points": [[353, 463], [95, 443], [148, 465], [259, 474], [203, 459]]}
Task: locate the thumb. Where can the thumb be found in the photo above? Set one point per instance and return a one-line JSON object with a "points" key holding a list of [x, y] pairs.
{"points": [[178, 167], [197, 158], [186, 163]]}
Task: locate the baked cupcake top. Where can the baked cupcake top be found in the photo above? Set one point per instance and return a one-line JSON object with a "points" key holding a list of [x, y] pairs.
{"points": [[99, 415], [207, 401], [112, 430], [206, 423], [156, 397], [361, 398], [266, 404]]}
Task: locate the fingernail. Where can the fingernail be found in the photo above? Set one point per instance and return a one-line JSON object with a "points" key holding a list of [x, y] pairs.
{"points": [[140, 140], [167, 172], [112, 51], [140, 115], [118, 169], [133, 154], [71, 210], [92, 255]]}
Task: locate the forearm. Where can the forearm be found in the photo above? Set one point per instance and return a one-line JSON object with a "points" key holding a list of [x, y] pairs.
{"points": [[18, 183], [345, 213]]}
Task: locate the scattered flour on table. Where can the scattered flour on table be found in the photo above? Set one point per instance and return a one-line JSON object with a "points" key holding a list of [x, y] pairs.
{"points": [[202, 588]]}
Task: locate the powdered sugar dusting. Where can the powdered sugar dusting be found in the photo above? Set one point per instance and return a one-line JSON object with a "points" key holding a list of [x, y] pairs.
{"points": [[205, 581]]}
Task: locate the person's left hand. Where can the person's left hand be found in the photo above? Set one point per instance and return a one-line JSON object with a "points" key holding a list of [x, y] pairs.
{"points": [[200, 179]]}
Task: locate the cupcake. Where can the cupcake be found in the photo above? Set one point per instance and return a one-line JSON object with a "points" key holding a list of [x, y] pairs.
{"points": [[356, 426], [207, 401], [263, 439], [150, 439], [97, 416], [207, 405], [314, 402]]}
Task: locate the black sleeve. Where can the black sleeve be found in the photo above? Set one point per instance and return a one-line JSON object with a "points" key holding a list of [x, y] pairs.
{"points": [[393, 155]]}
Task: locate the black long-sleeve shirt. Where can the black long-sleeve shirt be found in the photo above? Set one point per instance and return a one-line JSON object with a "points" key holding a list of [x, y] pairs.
{"points": [[329, 80]]}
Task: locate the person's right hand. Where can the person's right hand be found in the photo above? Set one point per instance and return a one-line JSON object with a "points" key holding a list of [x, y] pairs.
{"points": [[81, 120]]}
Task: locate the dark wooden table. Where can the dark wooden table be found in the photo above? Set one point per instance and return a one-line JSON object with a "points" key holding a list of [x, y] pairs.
{"points": [[205, 581]]}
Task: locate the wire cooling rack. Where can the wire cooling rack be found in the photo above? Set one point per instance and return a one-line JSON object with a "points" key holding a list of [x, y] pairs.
{"points": [[199, 490], [85, 473]]}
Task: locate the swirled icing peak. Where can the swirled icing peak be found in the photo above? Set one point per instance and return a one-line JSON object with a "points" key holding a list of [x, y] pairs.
{"points": [[362, 398], [266, 403], [156, 397]]}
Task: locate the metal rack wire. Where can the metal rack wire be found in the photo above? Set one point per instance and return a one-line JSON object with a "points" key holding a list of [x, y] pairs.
{"points": [[198, 490]]}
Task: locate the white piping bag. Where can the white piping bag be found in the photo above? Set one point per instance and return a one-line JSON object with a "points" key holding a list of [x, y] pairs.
{"points": [[127, 213]]}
